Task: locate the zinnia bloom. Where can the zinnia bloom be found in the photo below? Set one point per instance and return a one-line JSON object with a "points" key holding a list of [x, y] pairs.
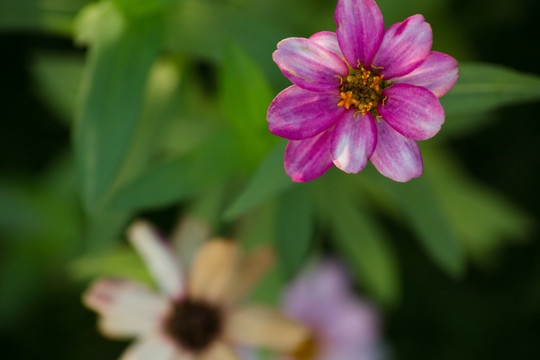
{"points": [[360, 94], [343, 326], [197, 318]]}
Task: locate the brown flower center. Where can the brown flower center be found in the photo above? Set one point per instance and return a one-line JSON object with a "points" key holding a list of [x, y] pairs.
{"points": [[362, 89], [307, 350], [194, 324]]}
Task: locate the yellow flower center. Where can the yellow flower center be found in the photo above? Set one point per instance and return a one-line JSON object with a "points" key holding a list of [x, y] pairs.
{"points": [[362, 89], [306, 350]]}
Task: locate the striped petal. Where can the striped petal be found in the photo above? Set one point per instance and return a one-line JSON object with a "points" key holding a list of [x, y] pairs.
{"points": [[353, 142], [327, 40], [396, 156], [360, 30], [306, 160], [405, 46], [299, 114], [437, 74], [309, 65], [413, 111]]}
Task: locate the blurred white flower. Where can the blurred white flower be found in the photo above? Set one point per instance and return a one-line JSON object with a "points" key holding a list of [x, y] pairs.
{"points": [[343, 327], [193, 317]]}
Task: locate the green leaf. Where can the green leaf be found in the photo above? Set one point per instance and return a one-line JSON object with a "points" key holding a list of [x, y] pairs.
{"points": [[121, 262], [268, 180], [294, 229], [423, 212], [55, 16], [143, 7], [485, 87], [483, 219], [182, 177], [114, 82], [58, 78], [245, 98], [359, 239]]}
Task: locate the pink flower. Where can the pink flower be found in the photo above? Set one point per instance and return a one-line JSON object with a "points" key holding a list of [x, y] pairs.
{"points": [[193, 318], [343, 326], [360, 94]]}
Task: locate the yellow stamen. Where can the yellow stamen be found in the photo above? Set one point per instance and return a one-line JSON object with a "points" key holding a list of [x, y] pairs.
{"points": [[347, 100], [365, 75], [376, 82]]}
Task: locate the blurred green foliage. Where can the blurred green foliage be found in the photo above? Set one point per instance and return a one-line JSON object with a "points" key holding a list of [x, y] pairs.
{"points": [[167, 106]]}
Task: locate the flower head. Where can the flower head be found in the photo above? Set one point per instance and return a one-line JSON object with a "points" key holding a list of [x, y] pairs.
{"points": [[360, 94], [343, 327], [197, 317]]}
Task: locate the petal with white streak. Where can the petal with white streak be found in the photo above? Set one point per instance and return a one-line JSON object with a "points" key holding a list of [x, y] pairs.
{"points": [[309, 65], [327, 40], [353, 142], [405, 46], [360, 30], [413, 111], [299, 114], [437, 74], [158, 256], [306, 160], [396, 156]]}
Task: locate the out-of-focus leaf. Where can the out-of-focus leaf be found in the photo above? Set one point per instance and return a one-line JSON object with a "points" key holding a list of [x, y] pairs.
{"points": [[359, 240], [58, 79], [114, 81], [484, 87], [483, 219], [118, 262], [181, 177], [268, 180], [143, 7], [294, 229], [54, 16], [419, 206], [245, 98]]}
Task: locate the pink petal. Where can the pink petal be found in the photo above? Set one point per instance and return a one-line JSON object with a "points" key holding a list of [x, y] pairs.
{"points": [[126, 308], [360, 30], [300, 114], [327, 40], [396, 156], [413, 111], [405, 46], [353, 142], [158, 256], [306, 160], [438, 74], [309, 65]]}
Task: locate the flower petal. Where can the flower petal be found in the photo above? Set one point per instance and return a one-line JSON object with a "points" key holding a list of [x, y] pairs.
{"points": [[396, 156], [306, 160], [413, 111], [250, 270], [299, 114], [187, 237], [438, 74], [152, 348], [360, 30], [213, 270], [158, 256], [327, 40], [405, 46], [219, 351], [353, 142], [309, 65], [260, 326], [127, 309]]}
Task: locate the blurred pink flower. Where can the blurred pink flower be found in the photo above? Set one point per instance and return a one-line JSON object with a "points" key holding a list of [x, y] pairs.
{"points": [[360, 94], [343, 326], [195, 317]]}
